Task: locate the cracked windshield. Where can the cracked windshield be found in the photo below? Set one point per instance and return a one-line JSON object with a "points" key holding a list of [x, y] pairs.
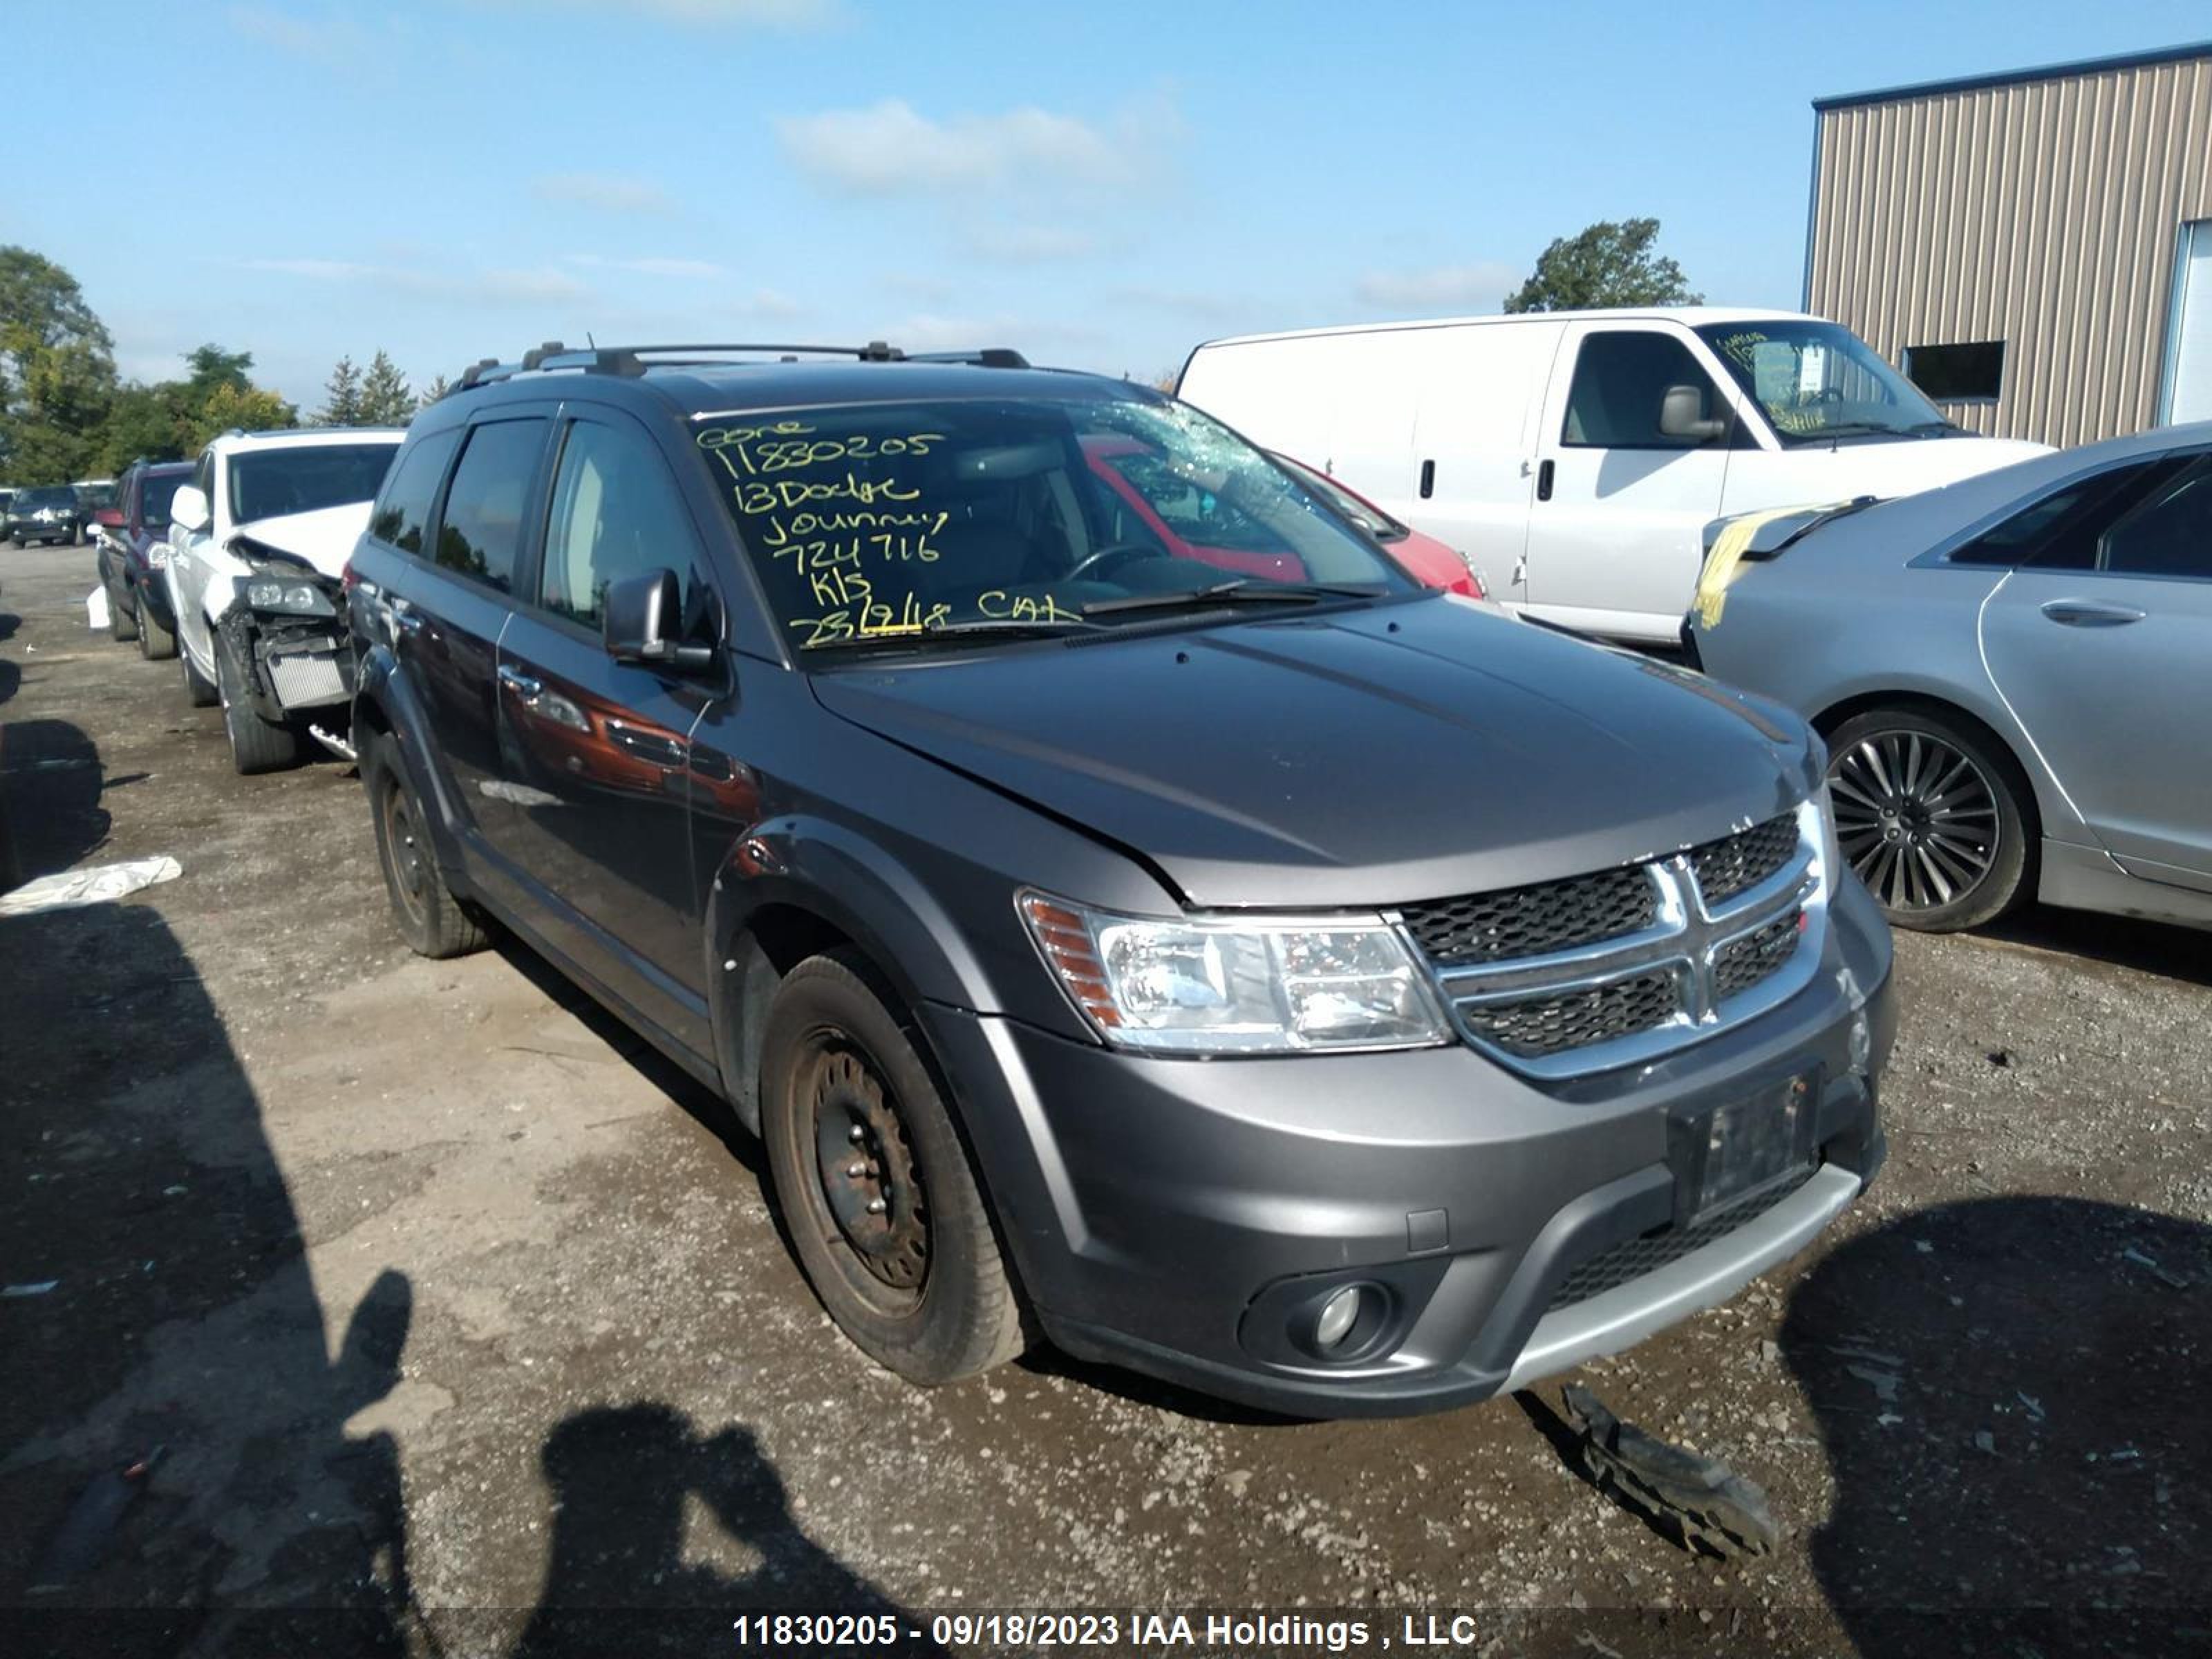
{"points": [[892, 522]]}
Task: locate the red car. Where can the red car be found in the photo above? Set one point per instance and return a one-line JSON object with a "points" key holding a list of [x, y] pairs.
{"points": [[1226, 539]]}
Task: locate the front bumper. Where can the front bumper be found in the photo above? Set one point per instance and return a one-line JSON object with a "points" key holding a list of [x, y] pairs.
{"points": [[294, 666], [1177, 1216]]}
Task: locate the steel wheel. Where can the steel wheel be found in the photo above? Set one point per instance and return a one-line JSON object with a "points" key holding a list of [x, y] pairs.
{"points": [[870, 1188], [1917, 819], [411, 871]]}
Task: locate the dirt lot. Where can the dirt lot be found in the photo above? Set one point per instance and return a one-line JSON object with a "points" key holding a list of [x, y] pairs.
{"points": [[454, 1313]]}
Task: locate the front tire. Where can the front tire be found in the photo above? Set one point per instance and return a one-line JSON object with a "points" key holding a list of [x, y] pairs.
{"points": [[120, 625], [199, 690], [431, 918], [256, 744], [884, 1208], [1933, 815]]}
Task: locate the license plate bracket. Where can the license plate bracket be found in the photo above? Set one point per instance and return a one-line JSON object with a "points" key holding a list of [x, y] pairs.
{"points": [[1724, 1154]]}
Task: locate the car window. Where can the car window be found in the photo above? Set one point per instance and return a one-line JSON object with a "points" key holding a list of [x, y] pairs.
{"points": [[885, 520], [1620, 380], [203, 476], [273, 484], [2170, 534], [2059, 531], [403, 512], [480, 533], [155, 492], [614, 513]]}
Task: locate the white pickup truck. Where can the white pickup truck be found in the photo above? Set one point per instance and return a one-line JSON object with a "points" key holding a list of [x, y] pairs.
{"points": [[259, 539]]}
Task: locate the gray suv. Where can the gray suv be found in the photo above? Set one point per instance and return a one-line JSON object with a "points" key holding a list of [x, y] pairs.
{"points": [[1210, 951]]}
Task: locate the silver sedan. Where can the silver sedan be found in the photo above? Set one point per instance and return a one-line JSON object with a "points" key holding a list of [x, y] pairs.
{"points": [[2014, 675]]}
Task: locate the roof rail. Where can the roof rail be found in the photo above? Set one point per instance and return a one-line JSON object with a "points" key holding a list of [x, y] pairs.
{"points": [[982, 357], [633, 360]]}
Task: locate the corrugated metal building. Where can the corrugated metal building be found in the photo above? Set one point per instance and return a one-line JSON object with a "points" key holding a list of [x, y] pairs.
{"points": [[2035, 249]]}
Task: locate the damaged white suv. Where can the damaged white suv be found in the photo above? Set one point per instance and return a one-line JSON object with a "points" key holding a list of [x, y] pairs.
{"points": [[259, 538]]}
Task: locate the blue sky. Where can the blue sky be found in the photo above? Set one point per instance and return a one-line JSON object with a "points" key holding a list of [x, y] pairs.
{"points": [[1099, 184]]}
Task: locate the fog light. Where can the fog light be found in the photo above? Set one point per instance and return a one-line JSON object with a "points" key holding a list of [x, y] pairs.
{"points": [[1338, 1315]]}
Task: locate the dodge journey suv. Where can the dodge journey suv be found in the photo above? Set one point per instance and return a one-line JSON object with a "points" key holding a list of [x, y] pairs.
{"points": [[1281, 979]]}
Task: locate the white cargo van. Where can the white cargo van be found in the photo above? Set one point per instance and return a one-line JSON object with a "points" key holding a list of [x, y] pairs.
{"points": [[1575, 457]]}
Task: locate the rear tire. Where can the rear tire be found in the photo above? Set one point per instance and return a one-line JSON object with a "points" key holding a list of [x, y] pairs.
{"points": [[155, 642], [256, 744], [918, 1284], [431, 919], [1935, 817], [199, 690]]}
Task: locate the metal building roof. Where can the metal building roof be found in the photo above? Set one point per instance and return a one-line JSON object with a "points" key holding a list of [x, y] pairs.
{"points": [[2016, 77]]}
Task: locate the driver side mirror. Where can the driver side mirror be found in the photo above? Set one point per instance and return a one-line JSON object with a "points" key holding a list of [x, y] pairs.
{"points": [[108, 518], [1682, 416], [641, 621], [188, 509]]}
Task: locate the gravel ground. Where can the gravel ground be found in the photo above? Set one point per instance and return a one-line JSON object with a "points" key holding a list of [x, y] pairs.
{"points": [[458, 1315]]}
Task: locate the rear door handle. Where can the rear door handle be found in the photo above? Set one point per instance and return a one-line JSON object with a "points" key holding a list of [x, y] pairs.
{"points": [[525, 686], [2088, 613], [1543, 481]]}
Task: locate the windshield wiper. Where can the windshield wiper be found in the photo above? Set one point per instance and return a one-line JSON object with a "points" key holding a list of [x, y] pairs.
{"points": [[1002, 628], [1855, 429], [1244, 591]]}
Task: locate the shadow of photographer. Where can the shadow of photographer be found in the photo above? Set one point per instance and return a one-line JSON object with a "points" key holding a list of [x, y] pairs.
{"points": [[2012, 1393]]}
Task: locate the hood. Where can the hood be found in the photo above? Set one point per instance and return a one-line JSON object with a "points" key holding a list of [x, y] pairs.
{"points": [[324, 537], [1369, 757], [1898, 467]]}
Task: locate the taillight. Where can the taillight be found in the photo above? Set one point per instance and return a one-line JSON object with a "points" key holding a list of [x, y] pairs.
{"points": [[347, 580]]}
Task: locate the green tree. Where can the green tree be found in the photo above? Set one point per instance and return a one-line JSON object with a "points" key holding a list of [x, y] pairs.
{"points": [[386, 397], [253, 408], [144, 423], [342, 395], [57, 370], [212, 367], [439, 387], [1609, 264]]}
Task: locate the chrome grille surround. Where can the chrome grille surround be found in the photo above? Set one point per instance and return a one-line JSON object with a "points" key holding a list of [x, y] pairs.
{"points": [[1731, 959]]}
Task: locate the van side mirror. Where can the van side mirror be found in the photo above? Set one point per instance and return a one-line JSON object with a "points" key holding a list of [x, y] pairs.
{"points": [[1682, 416], [188, 509], [108, 518], [641, 620]]}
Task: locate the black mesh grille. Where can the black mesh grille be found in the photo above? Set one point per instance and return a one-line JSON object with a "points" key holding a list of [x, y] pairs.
{"points": [[1531, 922], [1636, 1257], [1727, 866], [1541, 1025], [1741, 964]]}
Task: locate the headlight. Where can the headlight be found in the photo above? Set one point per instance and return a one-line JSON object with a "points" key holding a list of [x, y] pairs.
{"points": [[1227, 986], [1832, 855], [294, 598]]}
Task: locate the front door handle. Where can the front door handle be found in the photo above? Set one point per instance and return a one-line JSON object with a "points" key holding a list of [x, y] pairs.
{"points": [[2089, 613], [524, 685], [1543, 481]]}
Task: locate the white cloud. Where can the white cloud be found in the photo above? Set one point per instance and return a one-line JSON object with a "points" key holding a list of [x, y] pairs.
{"points": [[541, 286], [933, 332], [787, 14], [890, 148], [1480, 286], [700, 270], [1190, 303], [607, 192], [329, 39], [1031, 245]]}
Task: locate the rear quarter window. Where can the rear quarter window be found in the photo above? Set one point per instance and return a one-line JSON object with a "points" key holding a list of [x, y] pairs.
{"points": [[402, 517]]}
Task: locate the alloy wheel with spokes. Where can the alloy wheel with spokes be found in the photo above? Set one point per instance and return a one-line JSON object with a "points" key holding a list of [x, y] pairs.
{"points": [[1928, 816]]}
